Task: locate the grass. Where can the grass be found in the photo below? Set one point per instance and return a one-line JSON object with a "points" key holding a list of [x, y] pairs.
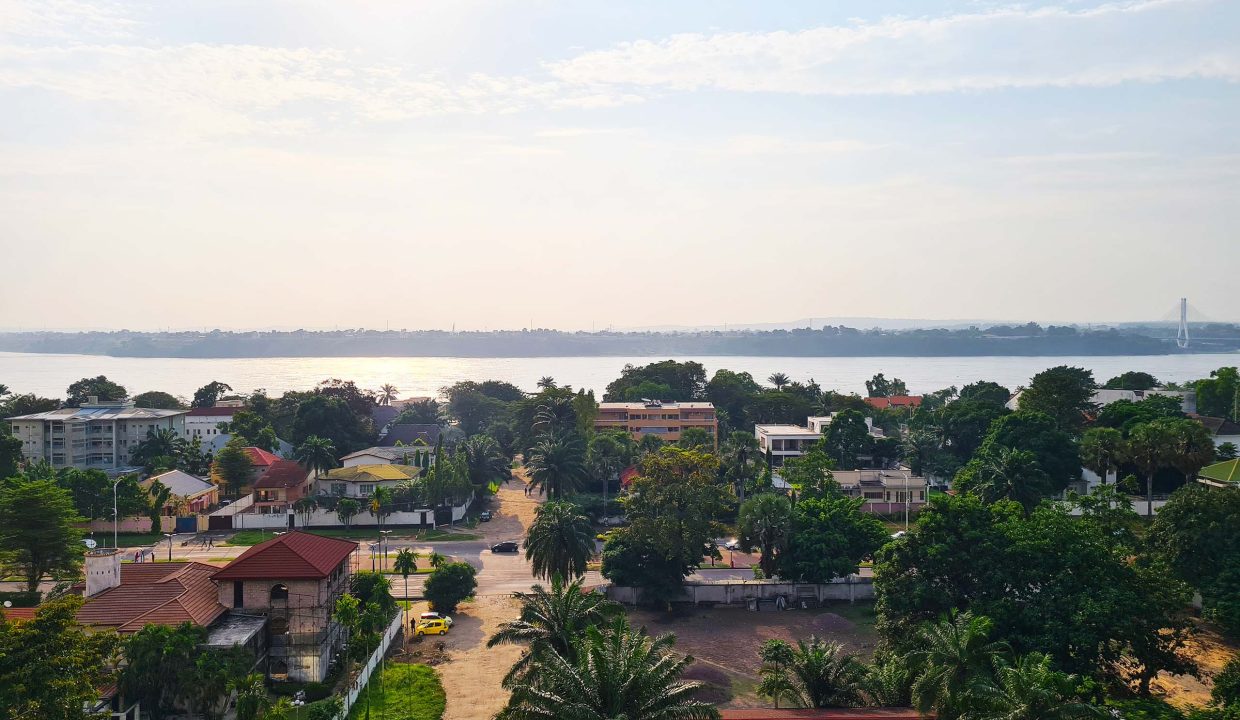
{"points": [[254, 537], [104, 538], [403, 692], [419, 571]]}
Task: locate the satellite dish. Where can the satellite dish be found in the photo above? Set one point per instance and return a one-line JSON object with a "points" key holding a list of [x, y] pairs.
{"points": [[8, 603], [90, 543]]}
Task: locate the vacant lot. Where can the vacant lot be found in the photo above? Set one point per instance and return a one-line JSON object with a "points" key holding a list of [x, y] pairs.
{"points": [[1211, 651], [725, 641]]}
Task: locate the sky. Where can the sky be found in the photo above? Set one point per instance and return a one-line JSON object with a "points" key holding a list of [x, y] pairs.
{"points": [[594, 164]]}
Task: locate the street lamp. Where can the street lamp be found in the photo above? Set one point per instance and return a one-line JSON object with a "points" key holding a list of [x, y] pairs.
{"points": [[383, 546], [115, 516], [906, 499], [169, 536]]}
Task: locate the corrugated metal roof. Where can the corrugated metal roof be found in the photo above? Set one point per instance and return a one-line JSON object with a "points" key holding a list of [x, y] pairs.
{"points": [[294, 555], [372, 473], [180, 483]]}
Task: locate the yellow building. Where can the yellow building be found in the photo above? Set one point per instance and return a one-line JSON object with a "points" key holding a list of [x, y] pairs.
{"points": [[663, 419]]}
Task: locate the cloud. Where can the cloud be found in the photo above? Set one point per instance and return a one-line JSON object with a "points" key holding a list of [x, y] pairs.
{"points": [[64, 20], [1012, 47]]}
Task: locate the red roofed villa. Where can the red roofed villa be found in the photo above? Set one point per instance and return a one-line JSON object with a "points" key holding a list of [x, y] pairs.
{"points": [[282, 484], [895, 401]]}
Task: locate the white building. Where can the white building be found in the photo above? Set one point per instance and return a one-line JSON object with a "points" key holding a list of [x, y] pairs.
{"points": [[98, 435], [422, 456], [1104, 397], [820, 423], [784, 441], [203, 423]]}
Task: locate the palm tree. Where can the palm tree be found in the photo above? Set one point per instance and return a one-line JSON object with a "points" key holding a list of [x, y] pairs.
{"points": [[888, 682], [380, 504], [815, 674], [304, 507], [1009, 474], [737, 454], [316, 453], [552, 621], [560, 541], [765, 521], [779, 380], [406, 564], [954, 659], [613, 672], [486, 463], [1150, 447], [387, 393], [437, 560], [557, 465], [347, 509], [555, 416], [546, 382], [1102, 450], [252, 700], [1030, 689]]}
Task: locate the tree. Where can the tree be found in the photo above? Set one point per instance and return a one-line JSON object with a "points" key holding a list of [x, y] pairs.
{"points": [[1226, 451], [1030, 689], [1194, 535], [316, 453], [14, 405], [731, 392], [347, 509], [232, 467], [845, 438], [380, 505], [1102, 450], [474, 410], [208, 395], [550, 622], [613, 672], [779, 380], [486, 464], [739, 456], [449, 584], [696, 438], [406, 564], [252, 700], [815, 674], [774, 406], [1132, 380], [1124, 415], [557, 465], [1192, 447], [1226, 691], [880, 386], [765, 520], [167, 668], [987, 392], [1005, 474], [1151, 447], [1219, 395], [1056, 452], [37, 530], [963, 425], [560, 541], [253, 429], [335, 418], [10, 454], [99, 387], [830, 536], [679, 382], [50, 666], [421, 412], [546, 382], [1063, 393], [387, 393], [952, 661], [158, 400]]}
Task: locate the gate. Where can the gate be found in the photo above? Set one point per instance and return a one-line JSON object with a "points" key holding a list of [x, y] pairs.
{"points": [[220, 522], [187, 524]]}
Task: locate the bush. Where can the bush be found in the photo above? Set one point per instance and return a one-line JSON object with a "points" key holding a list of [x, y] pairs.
{"points": [[1227, 684], [21, 599], [449, 584], [313, 690]]}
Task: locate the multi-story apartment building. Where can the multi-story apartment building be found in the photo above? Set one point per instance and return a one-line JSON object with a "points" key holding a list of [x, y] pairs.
{"points": [[784, 441], [665, 420], [98, 435], [204, 423]]}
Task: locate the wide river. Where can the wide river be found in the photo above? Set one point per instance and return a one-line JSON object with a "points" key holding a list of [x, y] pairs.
{"points": [[49, 375]]}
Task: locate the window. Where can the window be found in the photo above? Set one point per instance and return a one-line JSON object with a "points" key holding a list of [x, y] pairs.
{"points": [[339, 488], [238, 594], [279, 591], [365, 489]]}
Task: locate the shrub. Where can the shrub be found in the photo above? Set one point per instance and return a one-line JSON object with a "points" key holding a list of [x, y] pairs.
{"points": [[449, 584]]}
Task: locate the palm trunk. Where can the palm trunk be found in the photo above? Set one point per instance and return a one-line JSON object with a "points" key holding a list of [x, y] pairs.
{"points": [[1149, 495]]}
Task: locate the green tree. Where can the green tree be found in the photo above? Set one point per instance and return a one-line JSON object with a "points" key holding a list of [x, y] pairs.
{"points": [[10, 453], [252, 700], [1111, 512], [335, 418], [1056, 452], [1219, 395], [774, 406], [1030, 689], [316, 453], [253, 429], [683, 381], [474, 411], [952, 662], [695, 438], [158, 400], [830, 537], [815, 674], [421, 412], [406, 564], [347, 509], [739, 460], [1102, 450], [986, 392], [1063, 393], [486, 464], [1005, 474], [449, 584], [1132, 380], [963, 425], [1226, 691], [209, 394], [387, 393], [846, 438], [14, 405], [232, 467], [560, 541], [880, 386], [1192, 447], [50, 666], [167, 669], [557, 465], [765, 521], [731, 392], [37, 530], [1124, 415], [100, 387], [1226, 451], [779, 380], [550, 622], [1151, 447], [613, 672]]}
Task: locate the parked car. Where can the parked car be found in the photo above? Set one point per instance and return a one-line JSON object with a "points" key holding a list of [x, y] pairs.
{"points": [[435, 616], [485, 516], [508, 546], [431, 627]]}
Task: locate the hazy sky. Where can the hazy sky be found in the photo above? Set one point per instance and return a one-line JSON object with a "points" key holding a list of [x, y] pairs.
{"points": [[219, 163]]}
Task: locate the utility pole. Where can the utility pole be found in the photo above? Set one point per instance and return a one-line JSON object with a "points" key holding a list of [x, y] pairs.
{"points": [[115, 517]]}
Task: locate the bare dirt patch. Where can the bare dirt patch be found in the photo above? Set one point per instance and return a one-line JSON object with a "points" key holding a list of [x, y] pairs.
{"points": [[1211, 651]]}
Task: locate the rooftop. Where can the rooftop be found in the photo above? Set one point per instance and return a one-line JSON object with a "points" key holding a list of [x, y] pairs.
{"points": [[394, 454], [235, 629], [408, 433], [260, 457], [1219, 426], [155, 593], [655, 405], [1227, 471], [372, 473], [101, 411], [894, 401], [786, 430], [212, 411], [180, 483], [294, 555], [282, 474]]}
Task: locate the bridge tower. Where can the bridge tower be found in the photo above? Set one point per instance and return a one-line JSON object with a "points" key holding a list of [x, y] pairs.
{"points": [[1181, 337]]}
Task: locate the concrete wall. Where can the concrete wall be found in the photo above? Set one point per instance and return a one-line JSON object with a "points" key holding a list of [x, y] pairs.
{"points": [[134, 524], [328, 518], [741, 592]]}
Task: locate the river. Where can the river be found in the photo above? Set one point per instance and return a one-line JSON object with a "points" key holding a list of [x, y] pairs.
{"points": [[49, 375]]}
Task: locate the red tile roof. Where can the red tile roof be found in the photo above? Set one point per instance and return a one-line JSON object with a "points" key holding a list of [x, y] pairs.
{"points": [[155, 593], [16, 613], [894, 401], [283, 474], [213, 411], [851, 714], [260, 457], [292, 556]]}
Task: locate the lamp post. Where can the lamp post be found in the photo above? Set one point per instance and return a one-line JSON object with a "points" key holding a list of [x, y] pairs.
{"points": [[383, 546], [169, 536], [115, 516], [906, 500]]}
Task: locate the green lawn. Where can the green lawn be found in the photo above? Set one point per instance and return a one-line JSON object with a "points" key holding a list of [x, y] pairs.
{"points": [[127, 539], [404, 692], [254, 537]]}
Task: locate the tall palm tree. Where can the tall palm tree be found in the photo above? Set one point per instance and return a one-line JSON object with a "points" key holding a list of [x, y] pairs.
{"points": [[1030, 689], [560, 541], [387, 393], [555, 416], [765, 521], [1150, 447], [1102, 450], [546, 382], [954, 659], [550, 621], [738, 455], [613, 672], [779, 380], [406, 564], [1009, 474], [486, 463], [437, 560], [815, 674], [316, 453], [557, 465]]}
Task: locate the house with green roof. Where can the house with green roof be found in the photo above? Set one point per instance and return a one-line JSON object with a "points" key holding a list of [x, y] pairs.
{"points": [[1221, 475]]}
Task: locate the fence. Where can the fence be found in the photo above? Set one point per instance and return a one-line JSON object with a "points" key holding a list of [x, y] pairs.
{"points": [[328, 518], [359, 684], [135, 524], [749, 592]]}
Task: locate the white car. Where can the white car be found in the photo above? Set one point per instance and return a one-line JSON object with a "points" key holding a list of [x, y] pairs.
{"points": [[435, 616]]}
